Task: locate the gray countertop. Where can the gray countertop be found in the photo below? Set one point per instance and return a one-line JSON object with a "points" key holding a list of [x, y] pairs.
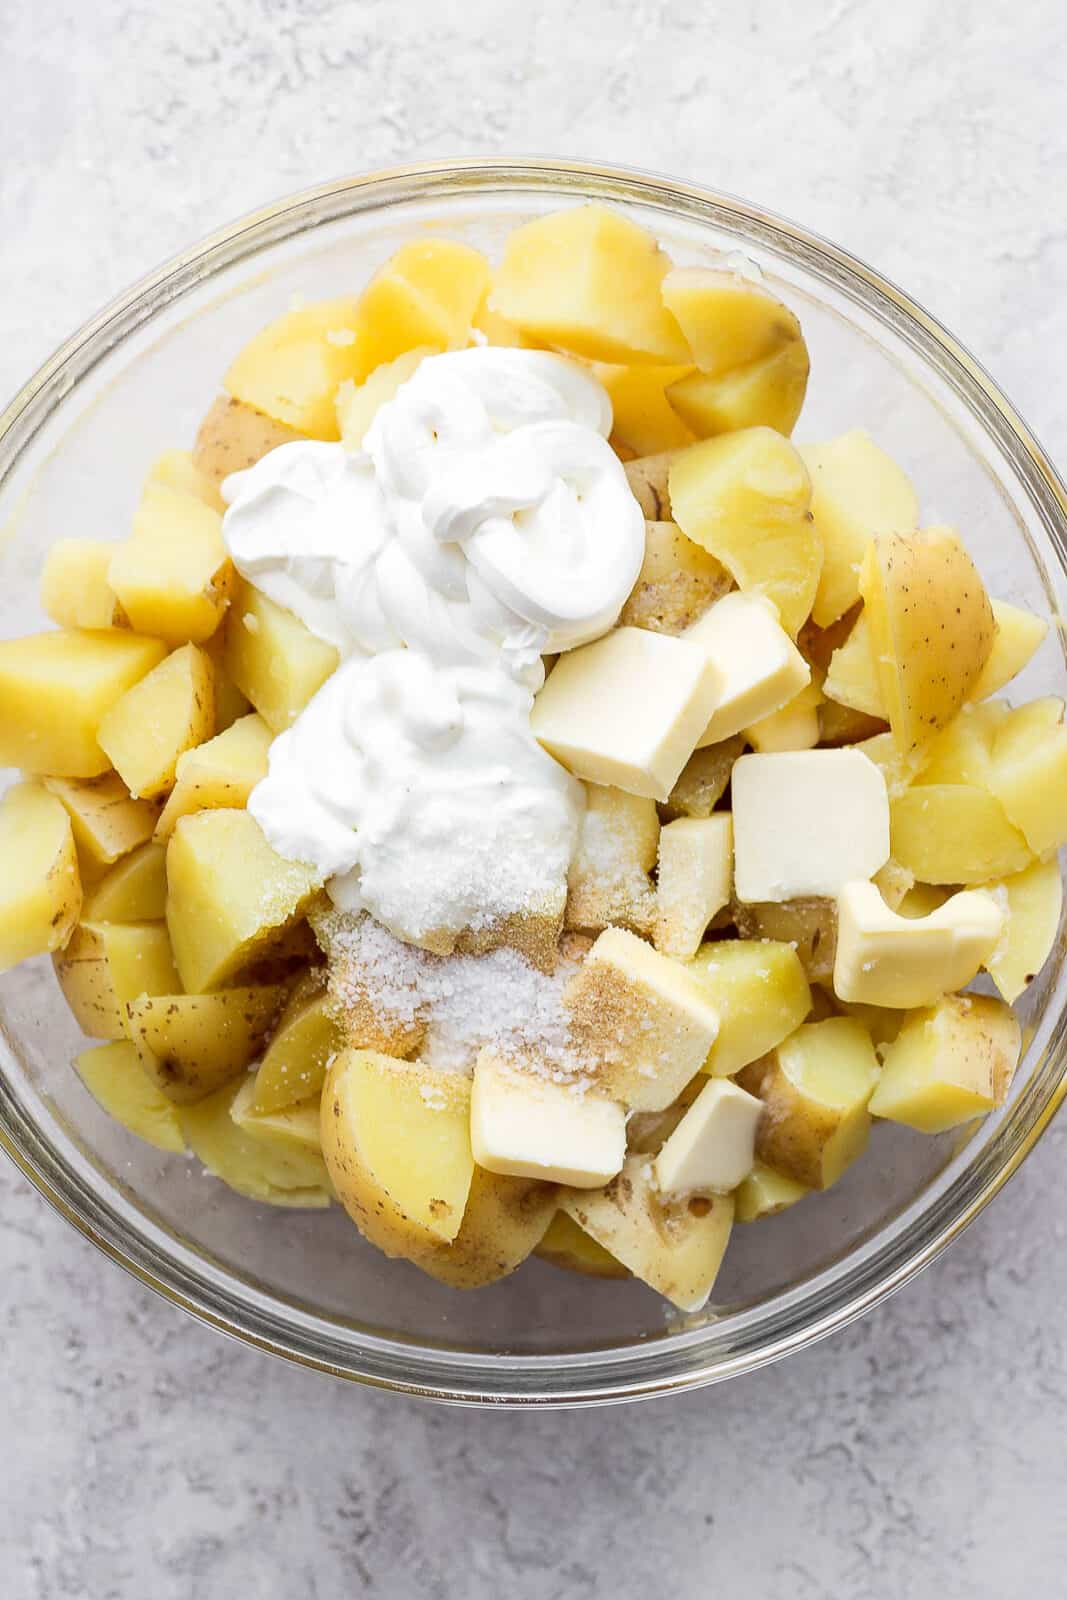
{"points": [[919, 1453]]}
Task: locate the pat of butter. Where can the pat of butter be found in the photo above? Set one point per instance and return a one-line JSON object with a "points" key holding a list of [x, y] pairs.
{"points": [[884, 959], [529, 1127], [807, 822], [628, 709], [759, 665], [696, 870], [713, 1148]]}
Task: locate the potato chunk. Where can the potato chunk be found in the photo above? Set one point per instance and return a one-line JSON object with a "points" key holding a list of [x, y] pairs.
{"points": [[649, 480], [954, 833], [230, 895], [727, 319], [694, 880], [760, 992], [276, 1171], [273, 658], [291, 370], [765, 1193], [949, 1063], [807, 923], [1032, 901], [570, 1247], [191, 1044], [746, 498], [1028, 773], [931, 628], [234, 436], [1018, 635], [588, 280], [300, 1050], [75, 591], [425, 295], [107, 964], [115, 1078], [55, 689], [768, 393], [176, 469], [173, 576], [133, 890], [852, 679], [857, 492], [677, 583], [107, 821], [155, 722], [40, 887], [703, 780], [642, 417], [358, 403], [219, 774], [815, 1087]]}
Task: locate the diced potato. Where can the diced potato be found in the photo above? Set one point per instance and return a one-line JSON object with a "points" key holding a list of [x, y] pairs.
{"points": [[75, 591], [1032, 901], [949, 1063], [648, 1131], [219, 774], [276, 1171], [765, 1193], [230, 895], [921, 899], [291, 370], [963, 751], [881, 1023], [1028, 773], [677, 583], [795, 726], [642, 417], [1018, 635], [425, 295], [768, 393], [173, 576], [857, 492], [55, 689], [495, 329], [588, 280], [931, 628], [191, 1044], [570, 1247], [809, 924], [608, 880], [898, 767], [298, 1127], [177, 469], [745, 497], [300, 1050], [895, 883], [649, 480], [759, 989], [954, 833], [727, 319], [358, 403], [693, 882], [703, 780], [273, 658], [505, 1219], [839, 725], [107, 821], [40, 887], [852, 678], [230, 703], [234, 436], [815, 1087], [134, 890], [155, 722], [115, 1078], [107, 964], [675, 1247]]}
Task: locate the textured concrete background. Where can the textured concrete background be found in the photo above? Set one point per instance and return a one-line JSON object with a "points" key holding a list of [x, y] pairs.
{"points": [[921, 1452]]}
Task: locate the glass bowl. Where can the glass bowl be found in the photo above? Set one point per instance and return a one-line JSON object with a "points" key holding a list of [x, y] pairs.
{"points": [[74, 445]]}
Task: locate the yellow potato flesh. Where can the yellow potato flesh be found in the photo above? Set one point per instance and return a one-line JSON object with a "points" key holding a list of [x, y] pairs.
{"points": [[273, 1171], [168, 712], [230, 703], [234, 436], [173, 576], [642, 417], [703, 780], [745, 497], [504, 1221], [949, 1063], [1018, 635], [108, 822], [106, 965], [1028, 773], [177, 469], [677, 583], [294, 1067], [291, 370], [761, 994], [229, 896], [55, 689], [1033, 900], [852, 678], [954, 833], [134, 890], [191, 1044], [297, 1126], [273, 658], [570, 1247], [808, 924], [728, 321], [963, 751], [115, 1078], [219, 774], [768, 393], [857, 492], [765, 1193], [40, 886], [358, 403], [75, 591], [425, 295]]}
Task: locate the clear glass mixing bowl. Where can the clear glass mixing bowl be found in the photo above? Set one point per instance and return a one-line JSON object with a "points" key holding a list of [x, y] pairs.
{"points": [[74, 446]]}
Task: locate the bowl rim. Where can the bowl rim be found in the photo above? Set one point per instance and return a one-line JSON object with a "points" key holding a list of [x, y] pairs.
{"points": [[600, 1377]]}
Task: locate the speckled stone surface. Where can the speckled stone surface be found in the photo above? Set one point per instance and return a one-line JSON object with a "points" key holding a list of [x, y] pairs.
{"points": [[920, 1453]]}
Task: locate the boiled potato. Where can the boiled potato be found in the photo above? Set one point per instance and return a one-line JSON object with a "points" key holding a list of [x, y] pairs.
{"points": [[1033, 901], [840, 725], [495, 329], [642, 417], [219, 774], [358, 403], [1028, 773], [648, 1131], [134, 890], [815, 1086], [55, 689], [949, 1063], [570, 1247], [608, 880], [115, 1078], [727, 319], [588, 281], [1018, 635], [963, 751], [40, 887], [954, 833], [931, 628], [794, 726], [425, 296], [504, 1221], [857, 492], [768, 393], [649, 480], [234, 436], [229, 895], [178, 469], [300, 1050], [170, 711], [276, 1171], [107, 964], [173, 576], [761, 994], [75, 591], [290, 373], [230, 703], [677, 583], [191, 1044], [809, 924], [765, 1193], [108, 822], [746, 497], [674, 1247], [694, 881], [898, 767], [297, 1126], [703, 780], [273, 658], [852, 677]]}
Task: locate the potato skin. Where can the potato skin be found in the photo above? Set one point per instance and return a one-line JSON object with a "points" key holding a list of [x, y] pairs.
{"points": [[234, 436]]}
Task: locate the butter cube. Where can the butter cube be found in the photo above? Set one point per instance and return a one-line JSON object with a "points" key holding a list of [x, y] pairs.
{"points": [[795, 727], [807, 822], [713, 1148], [608, 880], [628, 709], [639, 1020], [529, 1127], [759, 665], [696, 869], [884, 959]]}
